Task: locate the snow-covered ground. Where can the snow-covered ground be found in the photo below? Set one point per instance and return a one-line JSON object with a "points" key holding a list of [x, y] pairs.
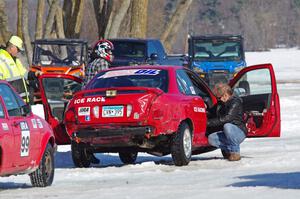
{"points": [[270, 167]]}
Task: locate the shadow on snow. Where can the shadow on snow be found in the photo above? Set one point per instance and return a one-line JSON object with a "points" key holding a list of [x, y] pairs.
{"points": [[274, 180]]}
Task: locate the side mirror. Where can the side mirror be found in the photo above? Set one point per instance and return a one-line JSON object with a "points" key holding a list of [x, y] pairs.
{"points": [[153, 56], [25, 110]]}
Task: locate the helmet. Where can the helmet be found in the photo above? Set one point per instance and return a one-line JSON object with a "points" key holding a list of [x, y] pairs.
{"points": [[103, 49]]}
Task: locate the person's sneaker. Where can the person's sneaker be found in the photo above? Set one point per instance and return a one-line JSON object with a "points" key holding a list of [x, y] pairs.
{"points": [[234, 157], [225, 154]]}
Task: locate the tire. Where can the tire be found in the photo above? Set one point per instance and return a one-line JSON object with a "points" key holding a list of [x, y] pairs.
{"points": [[181, 147], [128, 157], [81, 157], [44, 175]]}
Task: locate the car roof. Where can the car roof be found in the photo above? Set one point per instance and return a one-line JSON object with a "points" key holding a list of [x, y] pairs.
{"points": [[162, 67]]}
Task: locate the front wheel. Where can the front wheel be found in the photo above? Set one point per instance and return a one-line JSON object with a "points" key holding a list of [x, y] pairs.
{"points": [[81, 157], [128, 157], [181, 147], [44, 175]]}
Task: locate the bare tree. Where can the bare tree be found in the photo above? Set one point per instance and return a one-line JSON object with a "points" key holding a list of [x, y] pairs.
{"points": [[4, 33], [39, 19], [25, 31], [50, 18], [113, 30], [169, 35], [103, 10], [19, 22], [138, 25], [73, 10]]}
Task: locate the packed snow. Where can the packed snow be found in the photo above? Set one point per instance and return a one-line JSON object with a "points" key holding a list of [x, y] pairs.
{"points": [[270, 167]]}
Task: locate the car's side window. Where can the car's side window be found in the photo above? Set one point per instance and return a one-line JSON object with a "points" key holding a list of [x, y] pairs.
{"points": [[10, 100], [1, 111], [184, 83], [254, 82]]}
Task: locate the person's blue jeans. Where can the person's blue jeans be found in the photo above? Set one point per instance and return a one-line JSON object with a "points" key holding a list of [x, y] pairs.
{"points": [[229, 139]]}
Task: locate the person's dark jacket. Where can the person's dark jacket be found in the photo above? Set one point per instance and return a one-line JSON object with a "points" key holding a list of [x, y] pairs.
{"points": [[229, 112]]}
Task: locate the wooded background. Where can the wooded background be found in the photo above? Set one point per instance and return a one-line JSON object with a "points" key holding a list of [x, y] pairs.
{"points": [[264, 24]]}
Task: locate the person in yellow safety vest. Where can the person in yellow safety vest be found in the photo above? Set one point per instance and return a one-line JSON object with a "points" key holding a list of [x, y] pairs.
{"points": [[12, 70]]}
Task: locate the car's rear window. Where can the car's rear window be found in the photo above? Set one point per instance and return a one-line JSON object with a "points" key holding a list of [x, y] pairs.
{"points": [[153, 78]]}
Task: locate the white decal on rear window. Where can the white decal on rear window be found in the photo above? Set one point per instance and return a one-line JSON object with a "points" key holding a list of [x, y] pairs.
{"points": [[118, 73]]}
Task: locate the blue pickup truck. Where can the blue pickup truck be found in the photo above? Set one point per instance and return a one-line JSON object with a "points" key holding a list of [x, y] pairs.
{"points": [[133, 51], [216, 58]]}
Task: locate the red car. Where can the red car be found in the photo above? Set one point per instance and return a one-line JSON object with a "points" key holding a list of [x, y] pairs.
{"points": [[27, 142], [159, 110]]}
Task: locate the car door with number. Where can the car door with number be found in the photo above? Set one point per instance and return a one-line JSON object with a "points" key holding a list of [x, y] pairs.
{"points": [[26, 138]]}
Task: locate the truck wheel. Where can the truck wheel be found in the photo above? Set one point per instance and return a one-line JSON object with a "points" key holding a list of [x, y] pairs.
{"points": [[81, 157], [44, 175], [181, 147], [128, 157]]}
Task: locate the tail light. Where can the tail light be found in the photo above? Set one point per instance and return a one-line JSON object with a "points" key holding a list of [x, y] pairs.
{"points": [[70, 121], [129, 110], [96, 111]]}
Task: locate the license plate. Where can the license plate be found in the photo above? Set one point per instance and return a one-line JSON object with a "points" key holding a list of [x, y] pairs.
{"points": [[112, 111]]}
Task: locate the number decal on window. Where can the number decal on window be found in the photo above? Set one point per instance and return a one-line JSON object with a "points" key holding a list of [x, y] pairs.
{"points": [[25, 139]]}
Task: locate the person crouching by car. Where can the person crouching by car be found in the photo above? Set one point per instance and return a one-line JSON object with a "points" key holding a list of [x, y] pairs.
{"points": [[229, 116]]}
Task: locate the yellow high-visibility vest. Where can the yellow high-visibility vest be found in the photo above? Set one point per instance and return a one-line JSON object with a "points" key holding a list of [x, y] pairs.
{"points": [[14, 72]]}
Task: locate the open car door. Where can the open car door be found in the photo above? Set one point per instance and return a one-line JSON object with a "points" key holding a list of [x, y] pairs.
{"points": [[256, 85], [56, 91]]}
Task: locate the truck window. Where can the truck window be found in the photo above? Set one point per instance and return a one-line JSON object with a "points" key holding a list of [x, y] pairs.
{"points": [[1, 111], [217, 50], [129, 49]]}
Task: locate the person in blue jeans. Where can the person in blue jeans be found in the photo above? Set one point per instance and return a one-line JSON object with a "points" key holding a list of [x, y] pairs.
{"points": [[229, 121]]}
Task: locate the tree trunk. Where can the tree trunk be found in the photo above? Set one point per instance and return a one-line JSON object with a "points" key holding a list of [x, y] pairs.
{"points": [[113, 30], [138, 25], [50, 18], [26, 36], [39, 19], [59, 23], [173, 26], [103, 11], [19, 22], [4, 33], [73, 10]]}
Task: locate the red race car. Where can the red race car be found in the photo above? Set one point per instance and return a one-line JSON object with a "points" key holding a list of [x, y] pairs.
{"points": [[27, 141], [160, 110]]}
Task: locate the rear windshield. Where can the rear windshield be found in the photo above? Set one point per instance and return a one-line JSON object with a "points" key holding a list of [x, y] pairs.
{"points": [[153, 78], [129, 49]]}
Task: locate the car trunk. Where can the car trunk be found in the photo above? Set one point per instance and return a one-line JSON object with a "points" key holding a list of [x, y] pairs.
{"points": [[124, 106]]}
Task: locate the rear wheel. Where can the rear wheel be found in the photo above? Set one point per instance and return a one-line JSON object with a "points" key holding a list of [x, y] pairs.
{"points": [[181, 148], [44, 175], [128, 157], [81, 157]]}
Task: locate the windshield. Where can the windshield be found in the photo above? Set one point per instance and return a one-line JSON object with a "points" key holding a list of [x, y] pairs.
{"points": [[217, 50], [73, 54], [153, 78], [129, 49]]}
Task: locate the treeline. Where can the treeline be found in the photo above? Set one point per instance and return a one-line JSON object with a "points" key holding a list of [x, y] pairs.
{"points": [[264, 24]]}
